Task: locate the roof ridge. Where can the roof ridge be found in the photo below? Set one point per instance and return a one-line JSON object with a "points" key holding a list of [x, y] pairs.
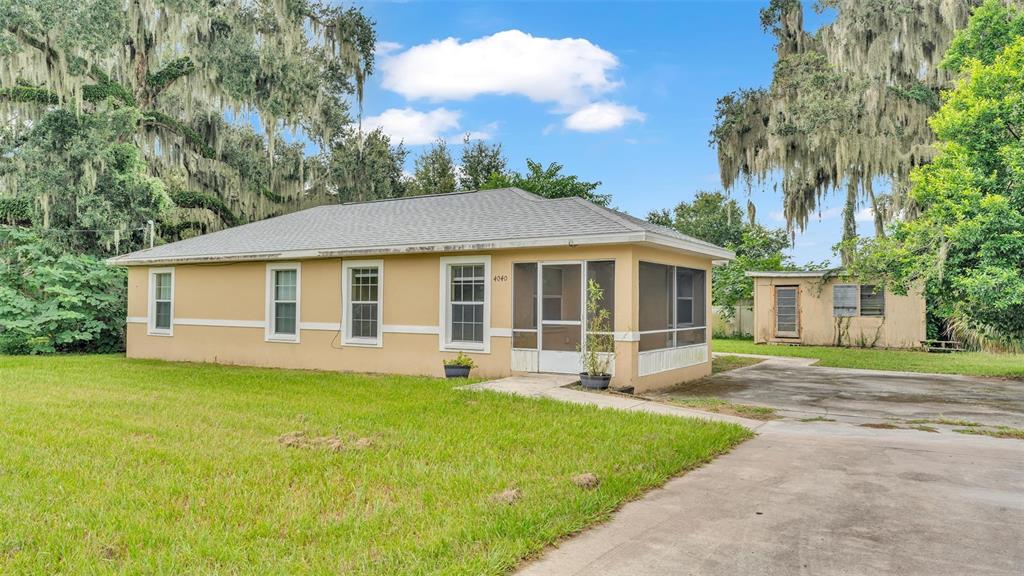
{"points": [[608, 213], [418, 196]]}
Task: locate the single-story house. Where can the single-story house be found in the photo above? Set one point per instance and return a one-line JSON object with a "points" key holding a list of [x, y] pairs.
{"points": [[398, 286], [821, 308]]}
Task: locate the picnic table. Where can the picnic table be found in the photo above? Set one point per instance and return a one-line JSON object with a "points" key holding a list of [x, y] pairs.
{"points": [[942, 346]]}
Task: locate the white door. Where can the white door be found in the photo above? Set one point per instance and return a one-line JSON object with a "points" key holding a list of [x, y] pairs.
{"points": [[561, 317]]}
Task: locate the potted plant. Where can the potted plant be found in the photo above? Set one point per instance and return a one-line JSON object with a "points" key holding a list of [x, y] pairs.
{"points": [[458, 367], [600, 345]]}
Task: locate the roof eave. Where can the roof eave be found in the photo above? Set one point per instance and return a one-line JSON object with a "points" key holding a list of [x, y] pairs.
{"points": [[715, 253]]}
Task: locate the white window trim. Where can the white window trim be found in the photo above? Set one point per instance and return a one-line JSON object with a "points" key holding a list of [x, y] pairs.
{"points": [[346, 302], [268, 317], [445, 342], [151, 328]]}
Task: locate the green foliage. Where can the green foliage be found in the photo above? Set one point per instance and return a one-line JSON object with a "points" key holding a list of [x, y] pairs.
{"points": [[716, 218], [195, 199], [169, 73], [31, 94], [54, 301], [992, 27], [710, 216], [367, 167], [157, 118], [920, 93], [548, 182], [967, 244], [15, 210], [598, 355], [479, 163], [99, 184], [434, 172], [460, 361]]}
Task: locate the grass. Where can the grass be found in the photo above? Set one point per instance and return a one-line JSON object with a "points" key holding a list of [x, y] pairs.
{"points": [[997, 432], [817, 419], [726, 363], [969, 363], [723, 407], [111, 466], [945, 421]]}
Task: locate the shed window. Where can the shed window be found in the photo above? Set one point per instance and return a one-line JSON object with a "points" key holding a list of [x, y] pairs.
{"points": [[844, 300], [672, 306], [872, 300]]}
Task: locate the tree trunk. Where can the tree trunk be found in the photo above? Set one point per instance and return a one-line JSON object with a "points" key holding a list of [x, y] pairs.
{"points": [[880, 217], [850, 218]]}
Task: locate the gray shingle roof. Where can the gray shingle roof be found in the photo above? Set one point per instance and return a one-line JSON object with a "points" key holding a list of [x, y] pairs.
{"points": [[479, 220]]}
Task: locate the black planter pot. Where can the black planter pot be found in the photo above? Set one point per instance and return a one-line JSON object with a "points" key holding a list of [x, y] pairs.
{"points": [[599, 382], [456, 371]]}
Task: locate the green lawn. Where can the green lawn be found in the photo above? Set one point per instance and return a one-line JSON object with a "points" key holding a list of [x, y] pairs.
{"points": [[969, 363], [110, 465]]}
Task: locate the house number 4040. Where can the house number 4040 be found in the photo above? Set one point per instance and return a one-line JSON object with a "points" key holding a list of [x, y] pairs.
{"points": [[501, 277]]}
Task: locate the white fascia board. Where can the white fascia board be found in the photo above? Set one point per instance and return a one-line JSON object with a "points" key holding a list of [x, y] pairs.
{"points": [[541, 242]]}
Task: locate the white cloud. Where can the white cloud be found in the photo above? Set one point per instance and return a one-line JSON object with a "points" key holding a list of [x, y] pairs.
{"points": [[602, 116], [384, 47], [568, 71], [412, 126], [485, 132], [865, 214]]}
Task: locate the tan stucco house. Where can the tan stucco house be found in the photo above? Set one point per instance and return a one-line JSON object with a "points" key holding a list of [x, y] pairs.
{"points": [[397, 286], [821, 308]]}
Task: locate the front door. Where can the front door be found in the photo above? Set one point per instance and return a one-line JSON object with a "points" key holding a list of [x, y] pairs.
{"points": [[561, 318]]}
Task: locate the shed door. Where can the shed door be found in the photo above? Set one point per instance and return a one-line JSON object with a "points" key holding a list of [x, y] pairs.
{"points": [[787, 312]]}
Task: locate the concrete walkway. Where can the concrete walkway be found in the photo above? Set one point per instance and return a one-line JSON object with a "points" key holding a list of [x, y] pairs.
{"points": [[554, 386], [807, 498]]}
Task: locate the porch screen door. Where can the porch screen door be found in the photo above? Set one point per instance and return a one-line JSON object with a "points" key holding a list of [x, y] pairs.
{"points": [[561, 322]]}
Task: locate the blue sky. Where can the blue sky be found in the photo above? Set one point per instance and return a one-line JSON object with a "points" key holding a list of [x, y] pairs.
{"points": [[623, 93]]}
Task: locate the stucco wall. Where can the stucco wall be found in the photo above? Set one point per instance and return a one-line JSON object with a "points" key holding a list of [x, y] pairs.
{"points": [[903, 326], [236, 293]]}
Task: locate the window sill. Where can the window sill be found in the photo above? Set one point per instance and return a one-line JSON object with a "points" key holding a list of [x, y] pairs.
{"points": [[159, 333], [465, 347], [363, 343], [283, 339]]}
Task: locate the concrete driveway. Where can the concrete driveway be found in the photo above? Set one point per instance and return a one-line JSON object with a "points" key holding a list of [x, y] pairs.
{"points": [[800, 391], [829, 498]]}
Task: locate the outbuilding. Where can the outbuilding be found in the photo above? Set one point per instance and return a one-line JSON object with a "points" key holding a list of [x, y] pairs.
{"points": [[823, 308]]}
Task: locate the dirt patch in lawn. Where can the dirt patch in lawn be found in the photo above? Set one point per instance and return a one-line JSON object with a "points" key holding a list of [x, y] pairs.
{"points": [[334, 443]]}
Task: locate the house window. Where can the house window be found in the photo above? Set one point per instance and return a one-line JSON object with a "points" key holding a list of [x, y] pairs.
{"points": [[672, 306], [844, 300], [872, 300], [161, 302], [466, 303], [283, 289], [363, 300]]}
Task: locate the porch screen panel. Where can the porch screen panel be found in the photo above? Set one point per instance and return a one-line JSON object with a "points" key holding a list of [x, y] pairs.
{"points": [[655, 306], [524, 305], [603, 272], [691, 306]]}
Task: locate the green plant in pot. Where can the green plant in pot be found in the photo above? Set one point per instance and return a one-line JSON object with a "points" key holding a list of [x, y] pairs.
{"points": [[459, 366], [600, 344]]}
